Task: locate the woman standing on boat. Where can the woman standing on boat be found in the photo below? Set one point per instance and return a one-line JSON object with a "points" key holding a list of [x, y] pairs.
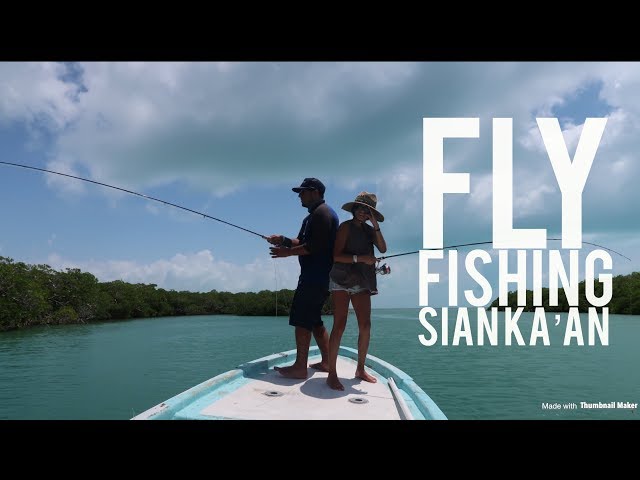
{"points": [[353, 279]]}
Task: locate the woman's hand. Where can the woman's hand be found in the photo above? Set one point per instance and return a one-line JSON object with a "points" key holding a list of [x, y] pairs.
{"points": [[372, 217]]}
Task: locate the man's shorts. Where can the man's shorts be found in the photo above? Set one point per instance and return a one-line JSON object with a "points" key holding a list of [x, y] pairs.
{"points": [[306, 307]]}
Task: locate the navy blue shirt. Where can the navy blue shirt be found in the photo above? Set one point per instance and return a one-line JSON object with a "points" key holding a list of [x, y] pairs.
{"points": [[318, 236]]}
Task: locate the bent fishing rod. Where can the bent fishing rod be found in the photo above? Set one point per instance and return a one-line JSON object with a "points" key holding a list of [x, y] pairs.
{"points": [[246, 229], [491, 241], [132, 193]]}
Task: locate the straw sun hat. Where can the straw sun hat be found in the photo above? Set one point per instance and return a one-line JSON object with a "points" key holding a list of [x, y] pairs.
{"points": [[368, 200]]}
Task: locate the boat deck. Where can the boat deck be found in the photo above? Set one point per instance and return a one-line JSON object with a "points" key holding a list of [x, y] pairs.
{"points": [[271, 396], [255, 391]]}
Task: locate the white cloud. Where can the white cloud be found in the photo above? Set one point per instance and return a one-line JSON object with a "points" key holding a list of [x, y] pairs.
{"points": [[34, 93], [65, 185], [482, 196], [196, 272], [530, 198], [221, 128], [619, 167], [217, 127]]}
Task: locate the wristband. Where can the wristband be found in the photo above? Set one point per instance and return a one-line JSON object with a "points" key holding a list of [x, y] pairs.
{"points": [[376, 229], [286, 242], [355, 259]]}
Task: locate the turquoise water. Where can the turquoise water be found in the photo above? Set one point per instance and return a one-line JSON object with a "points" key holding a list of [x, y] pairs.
{"points": [[117, 370]]}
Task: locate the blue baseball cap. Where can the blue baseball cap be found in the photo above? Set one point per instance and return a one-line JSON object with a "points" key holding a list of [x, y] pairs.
{"points": [[310, 184]]}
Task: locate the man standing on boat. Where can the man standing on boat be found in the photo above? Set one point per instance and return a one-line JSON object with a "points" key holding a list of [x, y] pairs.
{"points": [[314, 248]]}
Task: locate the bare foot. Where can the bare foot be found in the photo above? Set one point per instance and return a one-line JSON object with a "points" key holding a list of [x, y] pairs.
{"points": [[292, 371], [333, 382], [365, 376], [323, 367]]}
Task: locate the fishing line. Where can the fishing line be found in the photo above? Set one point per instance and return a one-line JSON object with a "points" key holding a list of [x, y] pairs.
{"points": [[275, 271], [484, 243], [134, 193]]}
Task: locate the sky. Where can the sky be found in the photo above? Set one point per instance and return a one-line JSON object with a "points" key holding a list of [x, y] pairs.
{"points": [[232, 139]]}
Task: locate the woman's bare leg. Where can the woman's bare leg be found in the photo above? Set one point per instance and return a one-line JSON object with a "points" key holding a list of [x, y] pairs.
{"points": [[340, 300], [362, 305]]}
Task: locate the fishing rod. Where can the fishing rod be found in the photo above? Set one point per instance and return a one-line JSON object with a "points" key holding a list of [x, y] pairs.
{"points": [[133, 193], [246, 229], [484, 243]]}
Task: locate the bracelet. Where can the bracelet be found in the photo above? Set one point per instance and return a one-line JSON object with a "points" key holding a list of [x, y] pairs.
{"points": [[355, 259], [376, 229]]}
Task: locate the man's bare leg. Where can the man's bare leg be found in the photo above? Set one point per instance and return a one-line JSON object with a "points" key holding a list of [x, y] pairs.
{"points": [[299, 367], [322, 339]]}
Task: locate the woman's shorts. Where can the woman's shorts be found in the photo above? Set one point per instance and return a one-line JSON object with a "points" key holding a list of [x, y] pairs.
{"points": [[333, 286]]}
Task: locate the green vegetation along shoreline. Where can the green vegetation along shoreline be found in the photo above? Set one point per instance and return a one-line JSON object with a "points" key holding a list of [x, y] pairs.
{"points": [[33, 295], [625, 299]]}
